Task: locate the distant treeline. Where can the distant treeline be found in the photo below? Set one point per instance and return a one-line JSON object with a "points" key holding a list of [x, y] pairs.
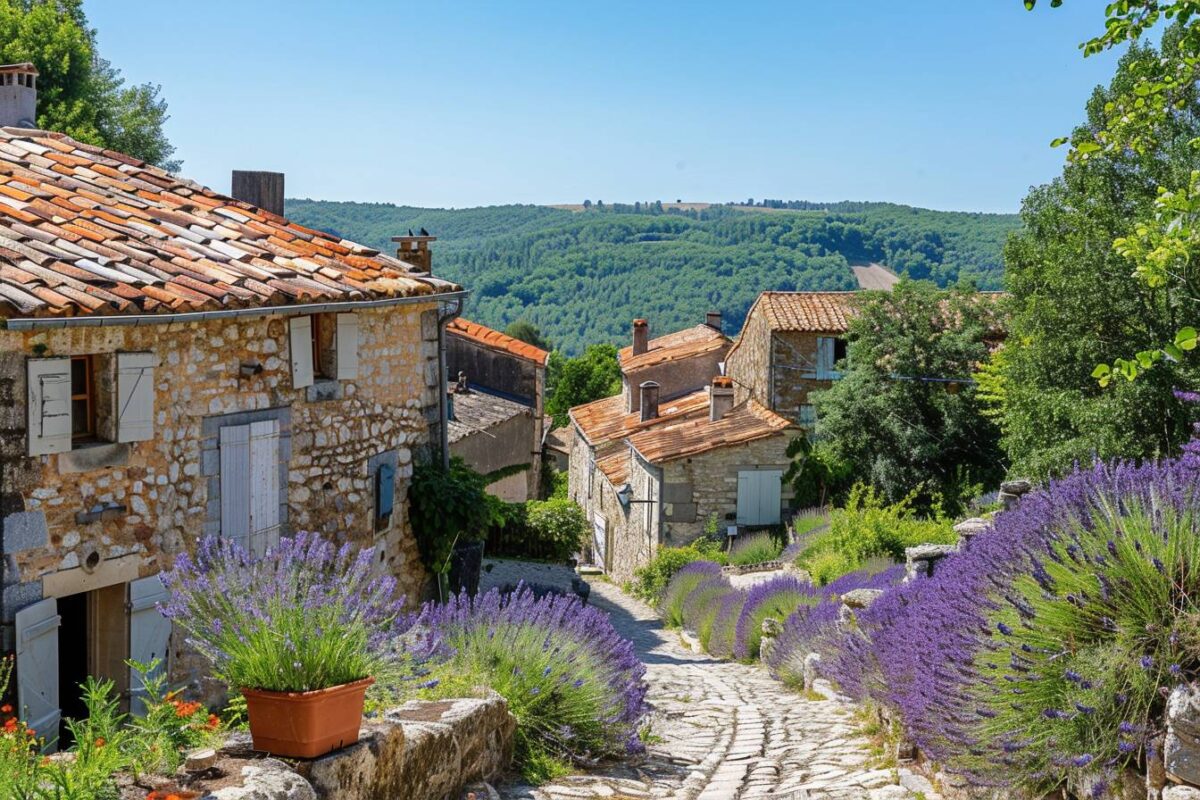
{"points": [[581, 277]]}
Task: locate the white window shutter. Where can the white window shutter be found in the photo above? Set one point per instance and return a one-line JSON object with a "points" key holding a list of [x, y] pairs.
{"points": [[235, 484], [49, 405], [135, 396], [264, 486], [149, 635], [347, 346], [746, 498], [300, 329], [37, 668]]}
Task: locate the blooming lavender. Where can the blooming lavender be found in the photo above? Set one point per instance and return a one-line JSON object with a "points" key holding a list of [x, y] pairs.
{"points": [[700, 606], [776, 597], [306, 615], [574, 684], [723, 630], [682, 583]]}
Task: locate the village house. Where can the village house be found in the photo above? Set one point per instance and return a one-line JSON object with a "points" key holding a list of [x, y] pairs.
{"points": [[660, 475], [789, 346], [496, 414], [176, 363], [679, 362]]}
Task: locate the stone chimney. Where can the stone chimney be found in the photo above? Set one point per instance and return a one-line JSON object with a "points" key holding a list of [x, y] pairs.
{"points": [[261, 189], [649, 399], [641, 336], [720, 397], [414, 249], [713, 320], [18, 95]]}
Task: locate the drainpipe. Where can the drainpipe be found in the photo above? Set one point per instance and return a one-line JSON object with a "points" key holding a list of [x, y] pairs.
{"points": [[448, 311]]}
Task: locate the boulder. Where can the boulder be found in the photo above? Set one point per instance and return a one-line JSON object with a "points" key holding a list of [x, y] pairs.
{"points": [[812, 666], [1017, 486], [970, 528], [861, 598], [771, 628], [1181, 750], [921, 560], [268, 779], [1181, 793]]}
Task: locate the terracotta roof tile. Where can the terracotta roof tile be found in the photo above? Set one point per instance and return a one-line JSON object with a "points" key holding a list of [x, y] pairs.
{"points": [[606, 420], [497, 340], [476, 411], [674, 346], [685, 437], [110, 234], [826, 312], [615, 466]]}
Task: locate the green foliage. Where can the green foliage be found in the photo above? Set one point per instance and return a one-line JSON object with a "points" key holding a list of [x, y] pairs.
{"points": [[169, 728], [527, 332], [650, 581], [904, 415], [446, 506], [681, 584], [574, 381], [558, 526], [1075, 302], [757, 548], [79, 93], [817, 475], [582, 277], [1099, 627], [868, 528]]}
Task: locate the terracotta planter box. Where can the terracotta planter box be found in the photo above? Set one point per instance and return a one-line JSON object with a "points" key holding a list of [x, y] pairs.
{"points": [[306, 724]]}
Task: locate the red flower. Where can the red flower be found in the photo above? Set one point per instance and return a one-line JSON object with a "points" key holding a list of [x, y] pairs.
{"points": [[5, 709], [213, 722]]}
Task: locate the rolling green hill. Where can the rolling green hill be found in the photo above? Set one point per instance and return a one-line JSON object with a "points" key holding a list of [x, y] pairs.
{"points": [[581, 276]]}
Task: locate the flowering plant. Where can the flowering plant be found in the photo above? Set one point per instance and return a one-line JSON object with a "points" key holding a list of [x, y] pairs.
{"points": [[685, 579], [305, 616], [575, 686]]}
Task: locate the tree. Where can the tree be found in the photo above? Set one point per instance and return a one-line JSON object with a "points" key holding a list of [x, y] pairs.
{"points": [[1075, 302], [79, 93], [573, 381], [904, 416], [528, 333]]}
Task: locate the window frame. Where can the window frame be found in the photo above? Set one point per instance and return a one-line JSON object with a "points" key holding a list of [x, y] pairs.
{"points": [[88, 396]]}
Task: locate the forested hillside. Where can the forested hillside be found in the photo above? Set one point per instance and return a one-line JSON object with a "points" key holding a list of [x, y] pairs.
{"points": [[580, 277]]}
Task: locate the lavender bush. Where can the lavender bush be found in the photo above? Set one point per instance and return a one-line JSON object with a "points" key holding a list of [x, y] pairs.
{"points": [[777, 597], [757, 548], [682, 583], [722, 633], [575, 686], [701, 604], [307, 615]]}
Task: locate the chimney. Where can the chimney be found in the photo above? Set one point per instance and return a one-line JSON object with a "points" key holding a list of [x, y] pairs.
{"points": [[649, 392], [641, 336], [261, 189], [18, 95], [713, 320], [414, 249], [720, 398]]}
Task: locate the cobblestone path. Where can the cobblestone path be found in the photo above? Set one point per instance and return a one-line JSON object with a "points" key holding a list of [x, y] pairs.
{"points": [[726, 731]]}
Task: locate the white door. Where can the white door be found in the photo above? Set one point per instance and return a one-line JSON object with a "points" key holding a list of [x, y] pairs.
{"points": [[759, 496], [37, 669], [250, 485], [600, 541], [149, 635]]}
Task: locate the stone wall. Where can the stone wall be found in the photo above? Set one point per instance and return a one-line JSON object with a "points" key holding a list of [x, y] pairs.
{"points": [[131, 508], [591, 489], [499, 446], [749, 361], [775, 367], [675, 378]]}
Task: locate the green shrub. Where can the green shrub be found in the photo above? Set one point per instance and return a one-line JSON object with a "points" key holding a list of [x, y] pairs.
{"points": [[650, 582], [557, 527], [757, 548], [447, 505], [868, 528], [684, 581]]}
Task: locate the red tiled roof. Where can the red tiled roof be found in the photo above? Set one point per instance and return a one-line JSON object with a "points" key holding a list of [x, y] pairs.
{"points": [[606, 420], [497, 340], [690, 436], [824, 312], [673, 346], [87, 231], [615, 466]]}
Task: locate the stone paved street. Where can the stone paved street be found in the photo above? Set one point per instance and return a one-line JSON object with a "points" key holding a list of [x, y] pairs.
{"points": [[725, 730]]}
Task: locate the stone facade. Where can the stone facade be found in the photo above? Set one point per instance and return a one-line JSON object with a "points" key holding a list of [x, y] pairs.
{"points": [[778, 368], [104, 514], [674, 378]]}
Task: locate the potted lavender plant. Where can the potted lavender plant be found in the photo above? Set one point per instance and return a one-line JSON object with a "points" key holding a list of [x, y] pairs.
{"points": [[300, 631]]}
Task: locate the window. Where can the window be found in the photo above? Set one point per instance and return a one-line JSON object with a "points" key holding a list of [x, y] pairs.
{"points": [[83, 398], [830, 351]]}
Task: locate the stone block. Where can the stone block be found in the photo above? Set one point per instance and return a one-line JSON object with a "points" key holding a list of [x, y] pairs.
{"points": [[1017, 486], [677, 493], [268, 779], [861, 598], [1181, 750], [322, 391], [920, 560], [1181, 793], [812, 668], [16, 596], [25, 530], [969, 528], [681, 512], [87, 459]]}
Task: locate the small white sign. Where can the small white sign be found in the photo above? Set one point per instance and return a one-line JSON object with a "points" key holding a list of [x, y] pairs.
{"points": [[731, 531]]}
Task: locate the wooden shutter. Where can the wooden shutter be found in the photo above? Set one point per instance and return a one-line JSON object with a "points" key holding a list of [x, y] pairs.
{"points": [[825, 356], [600, 541], [149, 635], [347, 346], [135, 396], [385, 491], [37, 668], [49, 405], [300, 329], [235, 484], [747, 502], [264, 486], [770, 495]]}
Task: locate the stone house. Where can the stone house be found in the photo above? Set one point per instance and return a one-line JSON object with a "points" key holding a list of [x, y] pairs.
{"points": [[679, 362], [497, 408], [657, 476], [789, 346], [175, 363]]}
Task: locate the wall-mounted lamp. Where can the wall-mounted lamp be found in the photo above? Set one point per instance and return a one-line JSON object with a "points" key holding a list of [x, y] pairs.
{"points": [[625, 496]]}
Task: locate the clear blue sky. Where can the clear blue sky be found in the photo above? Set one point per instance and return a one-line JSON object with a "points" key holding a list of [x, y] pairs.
{"points": [[939, 103]]}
